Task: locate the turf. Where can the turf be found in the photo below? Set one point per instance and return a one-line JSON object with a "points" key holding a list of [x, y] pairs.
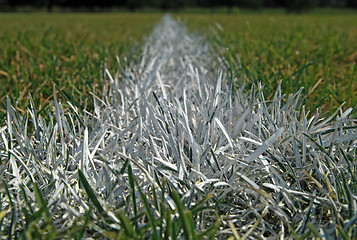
{"points": [[316, 51], [174, 151], [69, 50]]}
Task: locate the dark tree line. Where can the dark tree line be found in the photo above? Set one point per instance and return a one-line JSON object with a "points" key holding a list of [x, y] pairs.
{"points": [[133, 5]]}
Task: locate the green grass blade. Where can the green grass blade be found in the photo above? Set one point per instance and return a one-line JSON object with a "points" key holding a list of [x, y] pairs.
{"points": [[185, 216], [148, 211], [13, 210], [127, 225], [132, 189], [86, 222], [90, 193], [41, 202]]}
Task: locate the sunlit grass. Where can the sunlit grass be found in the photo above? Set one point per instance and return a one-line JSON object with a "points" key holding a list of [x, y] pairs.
{"points": [[315, 51], [173, 147], [69, 50]]}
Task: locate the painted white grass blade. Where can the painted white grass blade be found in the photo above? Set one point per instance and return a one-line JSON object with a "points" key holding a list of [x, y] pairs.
{"points": [[9, 123], [170, 121], [161, 86], [225, 134], [14, 166], [99, 141], [58, 114], [15, 169], [250, 141], [84, 156], [261, 149], [345, 114]]}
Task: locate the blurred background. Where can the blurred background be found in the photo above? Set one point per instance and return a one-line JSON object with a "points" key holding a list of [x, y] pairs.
{"points": [[309, 44], [293, 6]]}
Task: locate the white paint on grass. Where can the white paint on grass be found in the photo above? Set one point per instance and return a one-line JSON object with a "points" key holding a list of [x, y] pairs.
{"points": [[172, 115]]}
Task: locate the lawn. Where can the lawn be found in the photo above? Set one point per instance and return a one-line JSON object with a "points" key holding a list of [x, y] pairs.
{"points": [[38, 50], [315, 51], [158, 155]]}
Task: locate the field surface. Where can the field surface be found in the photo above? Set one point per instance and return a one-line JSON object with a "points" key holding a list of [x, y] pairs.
{"points": [[314, 51], [167, 143], [317, 52], [69, 50]]}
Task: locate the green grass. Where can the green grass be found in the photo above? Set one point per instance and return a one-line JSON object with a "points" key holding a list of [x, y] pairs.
{"points": [[38, 50], [270, 48], [316, 51]]}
